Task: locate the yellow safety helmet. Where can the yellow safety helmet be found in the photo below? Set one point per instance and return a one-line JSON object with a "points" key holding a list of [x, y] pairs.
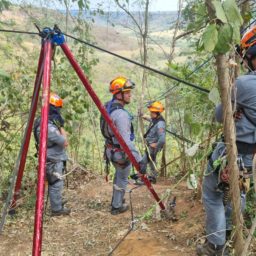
{"points": [[121, 84], [56, 100], [156, 106]]}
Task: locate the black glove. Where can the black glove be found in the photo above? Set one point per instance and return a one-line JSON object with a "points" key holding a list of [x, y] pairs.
{"points": [[143, 167]]}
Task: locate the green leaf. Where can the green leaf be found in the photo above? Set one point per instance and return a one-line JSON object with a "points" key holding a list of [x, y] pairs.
{"points": [[224, 39], [200, 45], [3, 74], [188, 118], [217, 163], [247, 17], [214, 96], [210, 37], [236, 34], [196, 128], [81, 4], [220, 13], [232, 12]]}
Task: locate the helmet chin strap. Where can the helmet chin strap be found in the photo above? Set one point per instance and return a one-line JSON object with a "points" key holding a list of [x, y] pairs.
{"points": [[125, 102], [122, 99]]}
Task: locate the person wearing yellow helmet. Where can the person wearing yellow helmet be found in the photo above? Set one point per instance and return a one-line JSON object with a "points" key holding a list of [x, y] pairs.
{"points": [[216, 181], [56, 154], [154, 137], [121, 88]]}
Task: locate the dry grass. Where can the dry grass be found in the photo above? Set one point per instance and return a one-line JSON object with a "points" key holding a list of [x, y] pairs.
{"points": [[92, 230]]}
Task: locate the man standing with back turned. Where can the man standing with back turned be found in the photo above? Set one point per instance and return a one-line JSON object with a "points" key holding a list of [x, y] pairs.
{"points": [[56, 154], [215, 183]]}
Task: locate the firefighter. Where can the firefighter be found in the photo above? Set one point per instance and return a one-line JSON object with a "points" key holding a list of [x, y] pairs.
{"points": [[120, 88], [215, 183], [154, 137], [56, 154]]}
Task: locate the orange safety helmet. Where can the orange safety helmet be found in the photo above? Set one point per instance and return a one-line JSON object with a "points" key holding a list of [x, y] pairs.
{"points": [[121, 84], [156, 106], [56, 100], [249, 38]]}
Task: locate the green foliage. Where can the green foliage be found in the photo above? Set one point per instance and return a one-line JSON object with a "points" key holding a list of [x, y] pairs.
{"points": [[232, 12], [250, 208], [195, 14], [214, 96], [4, 5], [222, 32], [210, 37], [220, 13], [17, 75], [224, 38], [225, 30]]}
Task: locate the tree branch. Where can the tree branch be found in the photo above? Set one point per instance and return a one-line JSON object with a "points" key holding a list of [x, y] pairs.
{"points": [[188, 33], [130, 15]]}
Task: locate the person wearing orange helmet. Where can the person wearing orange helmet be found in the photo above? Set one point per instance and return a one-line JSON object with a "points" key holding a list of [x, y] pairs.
{"points": [[121, 88], [56, 154], [154, 137], [216, 182]]}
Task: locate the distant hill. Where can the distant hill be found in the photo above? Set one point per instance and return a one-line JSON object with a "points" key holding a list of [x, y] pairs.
{"points": [[158, 21]]}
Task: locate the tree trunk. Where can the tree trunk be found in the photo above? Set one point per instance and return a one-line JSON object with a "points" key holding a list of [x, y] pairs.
{"points": [[230, 141], [144, 58], [175, 32], [163, 172]]}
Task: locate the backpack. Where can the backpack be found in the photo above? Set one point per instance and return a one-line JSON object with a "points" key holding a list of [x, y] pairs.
{"points": [[111, 107]]}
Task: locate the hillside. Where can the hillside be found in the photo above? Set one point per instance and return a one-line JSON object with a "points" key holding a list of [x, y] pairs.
{"points": [[158, 20], [119, 39], [90, 230]]}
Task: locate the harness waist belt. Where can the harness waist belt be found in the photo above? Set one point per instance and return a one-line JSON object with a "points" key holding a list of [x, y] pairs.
{"points": [[113, 146], [245, 148]]}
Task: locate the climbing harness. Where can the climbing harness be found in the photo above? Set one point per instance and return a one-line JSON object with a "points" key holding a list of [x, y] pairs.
{"points": [[182, 138], [118, 155], [154, 122], [104, 127]]}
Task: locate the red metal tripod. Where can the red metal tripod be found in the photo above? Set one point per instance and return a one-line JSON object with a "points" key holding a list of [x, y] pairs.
{"points": [[51, 38]]}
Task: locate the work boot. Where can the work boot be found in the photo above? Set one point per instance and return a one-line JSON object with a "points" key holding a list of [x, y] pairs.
{"points": [[63, 211], [209, 249], [123, 202], [64, 202], [123, 208]]}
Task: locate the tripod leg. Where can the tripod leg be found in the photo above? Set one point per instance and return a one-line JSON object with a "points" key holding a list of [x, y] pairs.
{"points": [[38, 225]]}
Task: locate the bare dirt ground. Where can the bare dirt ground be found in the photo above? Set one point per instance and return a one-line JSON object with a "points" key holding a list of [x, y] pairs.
{"points": [[92, 230]]}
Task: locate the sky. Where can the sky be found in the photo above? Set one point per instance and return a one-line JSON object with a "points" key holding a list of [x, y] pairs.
{"points": [[165, 5], [156, 5]]}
